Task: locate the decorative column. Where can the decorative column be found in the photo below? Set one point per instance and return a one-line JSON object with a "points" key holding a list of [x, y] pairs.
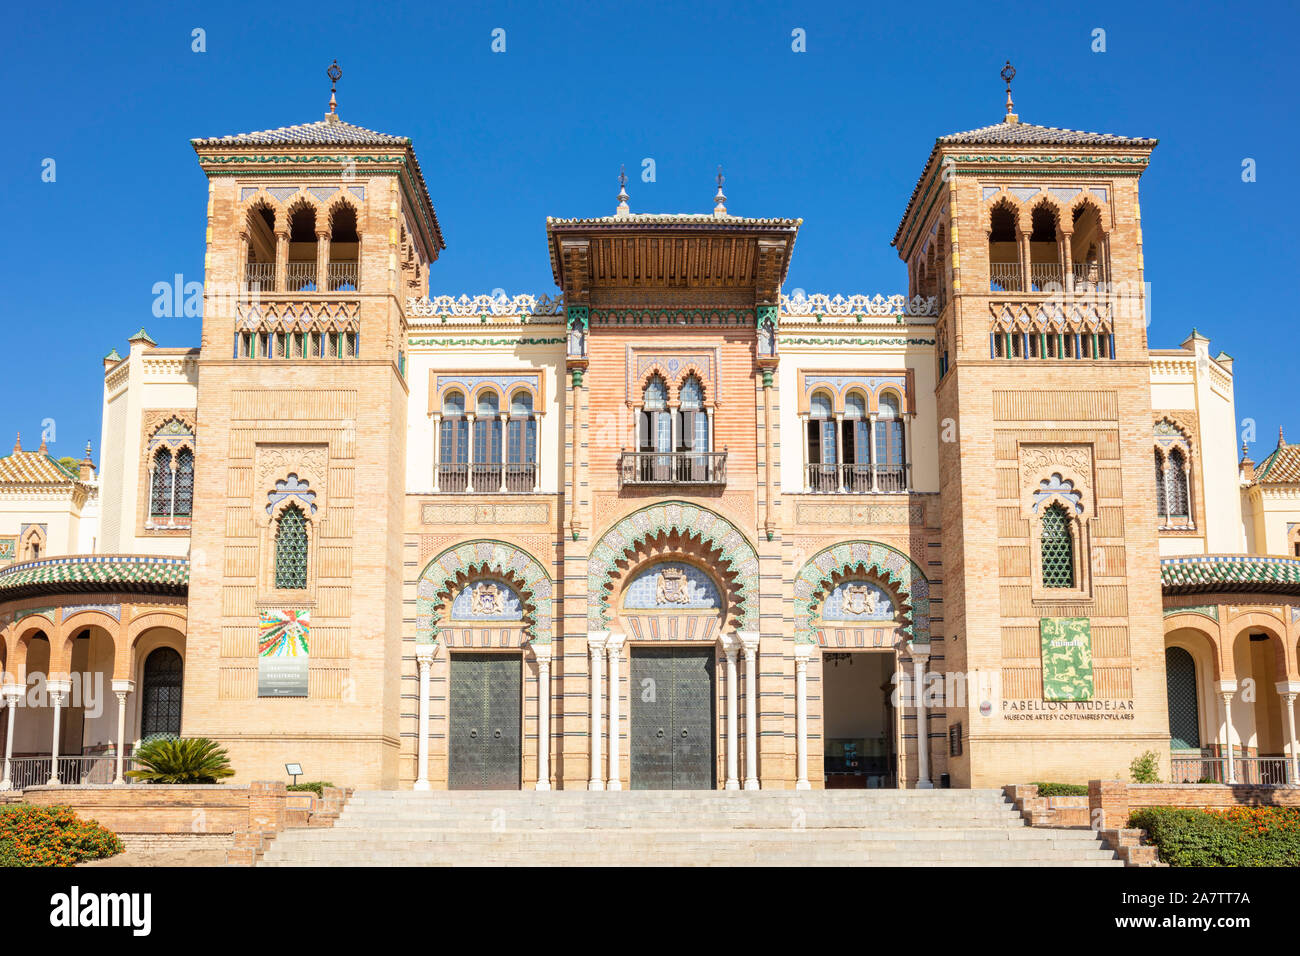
{"points": [[120, 689], [437, 451], [1227, 689], [470, 418], [920, 657], [804, 481], [801, 654], [614, 646], [730, 645], [11, 693], [281, 255], [749, 641], [839, 450], [323, 259], [1067, 261], [595, 648], [871, 442], [907, 450], [537, 464], [543, 654], [1022, 235], [424, 663], [59, 690], [505, 446], [1288, 691]]}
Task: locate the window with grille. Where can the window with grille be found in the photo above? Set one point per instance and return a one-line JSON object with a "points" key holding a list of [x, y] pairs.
{"points": [[1057, 549], [1162, 502], [161, 485], [291, 550], [184, 483], [1184, 708], [1178, 497], [161, 705]]}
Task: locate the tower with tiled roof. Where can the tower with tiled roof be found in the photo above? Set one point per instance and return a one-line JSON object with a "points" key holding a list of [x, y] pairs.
{"points": [[316, 236], [1030, 237]]}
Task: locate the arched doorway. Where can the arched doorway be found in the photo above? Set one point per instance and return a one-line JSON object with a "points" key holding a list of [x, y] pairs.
{"points": [[163, 687]]}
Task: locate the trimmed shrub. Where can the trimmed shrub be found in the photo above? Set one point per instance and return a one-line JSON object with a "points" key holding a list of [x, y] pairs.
{"points": [[51, 836], [183, 760], [1062, 789], [315, 786], [1241, 836], [1146, 768]]}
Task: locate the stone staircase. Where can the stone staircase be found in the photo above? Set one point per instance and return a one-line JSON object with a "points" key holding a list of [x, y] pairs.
{"points": [[685, 828]]}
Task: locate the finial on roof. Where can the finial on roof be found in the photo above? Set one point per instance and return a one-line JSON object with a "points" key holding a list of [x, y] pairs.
{"points": [[720, 200], [623, 208], [335, 74], [1009, 74], [18, 443], [42, 450], [1281, 439]]}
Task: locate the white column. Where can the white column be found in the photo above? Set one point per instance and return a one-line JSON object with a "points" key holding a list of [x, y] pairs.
{"points": [[839, 451], [1288, 690], [120, 689], [543, 655], [437, 450], [424, 663], [1227, 689], [871, 441], [920, 657], [907, 451], [614, 646], [11, 694], [801, 654], [730, 645], [595, 649], [537, 453], [804, 481], [505, 447], [749, 641], [59, 690], [469, 452]]}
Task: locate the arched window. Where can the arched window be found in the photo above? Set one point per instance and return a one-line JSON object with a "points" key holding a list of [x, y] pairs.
{"points": [[1162, 500], [487, 442], [301, 275], [453, 444], [656, 427], [823, 460], [184, 483], [1004, 248], [1177, 478], [693, 429], [160, 714], [855, 442], [1045, 271], [162, 483], [1057, 548], [291, 550], [1184, 705], [891, 468], [521, 445], [259, 254], [345, 245]]}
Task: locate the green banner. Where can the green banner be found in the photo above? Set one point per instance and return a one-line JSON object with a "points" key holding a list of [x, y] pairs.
{"points": [[1067, 658]]}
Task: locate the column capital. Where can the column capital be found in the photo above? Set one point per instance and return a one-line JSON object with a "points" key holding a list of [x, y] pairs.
{"points": [[802, 652], [730, 644], [614, 640], [596, 640], [123, 686], [1225, 687], [541, 652], [918, 651], [748, 641], [424, 653], [59, 687], [1288, 688], [13, 691]]}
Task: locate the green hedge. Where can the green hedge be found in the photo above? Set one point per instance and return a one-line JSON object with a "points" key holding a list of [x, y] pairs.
{"points": [[1062, 789], [51, 836], [315, 786], [1242, 836]]}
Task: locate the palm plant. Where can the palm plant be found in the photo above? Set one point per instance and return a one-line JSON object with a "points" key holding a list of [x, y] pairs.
{"points": [[185, 760]]}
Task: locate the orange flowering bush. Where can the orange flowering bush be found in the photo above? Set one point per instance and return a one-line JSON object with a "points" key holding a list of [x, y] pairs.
{"points": [[1240, 836], [51, 836]]}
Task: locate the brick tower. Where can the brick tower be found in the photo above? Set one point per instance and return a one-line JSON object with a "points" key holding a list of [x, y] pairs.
{"points": [[316, 235], [1031, 238]]}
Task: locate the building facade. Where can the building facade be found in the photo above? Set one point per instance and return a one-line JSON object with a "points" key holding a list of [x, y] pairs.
{"points": [[668, 526]]}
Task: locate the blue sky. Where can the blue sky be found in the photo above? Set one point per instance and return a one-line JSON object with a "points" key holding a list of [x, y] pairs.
{"points": [[836, 134]]}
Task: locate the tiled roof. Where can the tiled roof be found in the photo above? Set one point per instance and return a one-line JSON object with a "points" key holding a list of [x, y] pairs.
{"points": [[33, 468], [678, 219], [1230, 572], [319, 133], [1027, 134], [1281, 466], [1018, 134], [96, 572]]}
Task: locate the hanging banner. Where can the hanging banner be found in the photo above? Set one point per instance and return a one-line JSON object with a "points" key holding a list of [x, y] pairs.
{"points": [[282, 643], [1067, 658]]}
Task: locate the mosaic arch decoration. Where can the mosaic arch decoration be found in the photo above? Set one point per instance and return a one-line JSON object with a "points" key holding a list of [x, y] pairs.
{"points": [[887, 564], [483, 557], [738, 555]]}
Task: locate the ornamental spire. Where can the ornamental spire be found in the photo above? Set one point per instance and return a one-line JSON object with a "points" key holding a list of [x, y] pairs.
{"points": [[623, 208], [1281, 439], [1009, 74], [18, 443], [335, 74], [720, 200]]}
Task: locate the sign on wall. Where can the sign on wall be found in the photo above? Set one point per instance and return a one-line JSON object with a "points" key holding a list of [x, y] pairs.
{"points": [[282, 643], [1067, 658]]}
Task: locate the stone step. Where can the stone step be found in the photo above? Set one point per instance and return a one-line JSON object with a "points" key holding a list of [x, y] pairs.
{"points": [[431, 836]]}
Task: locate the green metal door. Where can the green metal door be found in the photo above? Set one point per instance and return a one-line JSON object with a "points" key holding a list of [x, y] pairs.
{"points": [[485, 724], [672, 726]]}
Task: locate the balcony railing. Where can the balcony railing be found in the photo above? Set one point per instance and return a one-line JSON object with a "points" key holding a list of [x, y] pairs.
{"points": [[35, 771], [857, 479], [672, 468], [300, 277], [1043, 275], [261, 275], [344, 277], [1266, 771], [1004, 277], [487, 478]]}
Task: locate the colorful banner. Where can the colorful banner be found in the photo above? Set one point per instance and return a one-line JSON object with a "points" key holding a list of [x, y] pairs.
{"points": [[1067, 658], [282, 653]]}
